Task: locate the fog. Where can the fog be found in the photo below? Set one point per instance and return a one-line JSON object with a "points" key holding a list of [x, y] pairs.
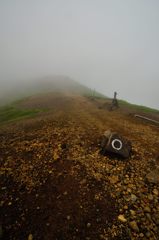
{"points": [[108, 45]]}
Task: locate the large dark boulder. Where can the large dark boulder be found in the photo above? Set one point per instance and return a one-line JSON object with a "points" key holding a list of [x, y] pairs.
{"points": [[112, 142]]}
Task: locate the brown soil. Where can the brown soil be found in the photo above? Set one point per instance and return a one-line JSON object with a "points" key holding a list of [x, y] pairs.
{"points": [[55, 184], [62, 208]]}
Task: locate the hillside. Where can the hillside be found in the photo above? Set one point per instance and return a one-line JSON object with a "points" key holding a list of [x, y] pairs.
{"points": [[25, 88], [55, 184]]}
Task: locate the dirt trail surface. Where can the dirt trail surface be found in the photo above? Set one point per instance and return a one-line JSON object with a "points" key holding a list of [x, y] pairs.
{"points": [[56, 185]]}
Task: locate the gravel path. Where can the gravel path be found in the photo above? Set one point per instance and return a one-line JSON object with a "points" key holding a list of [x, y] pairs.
{"points": [[55, 184]]}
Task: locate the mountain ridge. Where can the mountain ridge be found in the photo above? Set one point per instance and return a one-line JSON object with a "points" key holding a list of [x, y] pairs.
{"points": [[55, 83]]}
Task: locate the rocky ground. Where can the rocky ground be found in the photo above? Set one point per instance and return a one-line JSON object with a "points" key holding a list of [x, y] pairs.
{"points": [[55, 184]]}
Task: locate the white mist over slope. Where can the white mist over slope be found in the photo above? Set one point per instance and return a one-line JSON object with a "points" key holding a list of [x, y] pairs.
{"points": [[106, 45]]}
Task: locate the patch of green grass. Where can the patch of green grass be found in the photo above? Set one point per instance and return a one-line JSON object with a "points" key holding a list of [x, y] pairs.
{"points": [[138, 107], [11, 113]]}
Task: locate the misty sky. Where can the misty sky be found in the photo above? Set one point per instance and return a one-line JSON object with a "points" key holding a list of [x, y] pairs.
{"points": [[109, 45]]}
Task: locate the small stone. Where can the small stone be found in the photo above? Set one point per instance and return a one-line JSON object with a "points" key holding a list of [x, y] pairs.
{"points": [[133, 225], [153, 176], [147, 209], [150, 197], [141, 235], [1, 203], [10, 203], [88, 225], [96, 197], [68, 217], [114, 179], [155, 192], [102, 236], [133, 198], [30, 237], [98, 220], [155, 229], [125, 207], [133, 213], [131, 186], [122, 218], [156, 218], [118, 193], [65, 193], [129, 190], [148, 216], [126, 181], [156, 200]]}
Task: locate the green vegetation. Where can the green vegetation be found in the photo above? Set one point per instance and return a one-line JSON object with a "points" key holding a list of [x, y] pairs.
{"points": [[138, 107], [11, 113]]}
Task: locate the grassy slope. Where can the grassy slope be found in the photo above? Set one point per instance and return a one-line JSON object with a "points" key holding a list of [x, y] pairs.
{"points": [[11, 112], [56, 84], [138, 107], [123, 103]]}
